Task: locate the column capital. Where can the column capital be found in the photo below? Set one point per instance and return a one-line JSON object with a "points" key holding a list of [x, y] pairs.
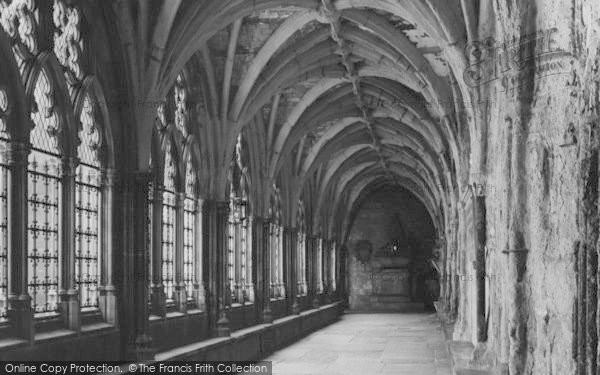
{"points": [[222, 207], [142, 177], [69, 166], [16, 153], [109, 177], [179, 199], [267, 222]]}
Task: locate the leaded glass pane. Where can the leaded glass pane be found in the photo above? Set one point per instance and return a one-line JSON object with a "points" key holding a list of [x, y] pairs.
{"points": [[189, 230], [320, 266], [20, 18], [89, 136], [277, 286], [44, 186], [44, 135], [43, 224], [231, 250], [188, 246], [168, 244], [87, 228], [3, 233], [3, 110], [301, 264], [181, 113], [168, 226], [333, 267]]}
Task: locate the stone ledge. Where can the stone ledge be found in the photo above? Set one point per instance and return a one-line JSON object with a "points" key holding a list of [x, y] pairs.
{"points": [[264, 337]]}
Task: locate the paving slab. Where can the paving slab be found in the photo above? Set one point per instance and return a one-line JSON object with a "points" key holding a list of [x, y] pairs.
{"points": [[363, 344]]}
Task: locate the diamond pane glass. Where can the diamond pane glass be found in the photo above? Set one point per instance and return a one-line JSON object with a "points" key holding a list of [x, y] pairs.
{"points": [[189, 232], [233, 224], [188, 246], [3, 111], [320, 266], [44, 187], [43, 218], [87, 228], [3, 233], [168, 244]]}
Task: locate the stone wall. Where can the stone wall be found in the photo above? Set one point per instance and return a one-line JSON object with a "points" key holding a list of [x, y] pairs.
{"points": [[540, 116]]}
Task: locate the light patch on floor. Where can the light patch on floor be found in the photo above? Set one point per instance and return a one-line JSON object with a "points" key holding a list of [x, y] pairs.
{"points": [[364, 344]]}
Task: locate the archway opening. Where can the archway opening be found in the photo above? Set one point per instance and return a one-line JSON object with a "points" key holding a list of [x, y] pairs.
{"points": [[391, 253]]}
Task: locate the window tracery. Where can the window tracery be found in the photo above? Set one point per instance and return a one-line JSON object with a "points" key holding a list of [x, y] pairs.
{"points": [[20, 18], [44, 186], [301, 252], [87, 205]]}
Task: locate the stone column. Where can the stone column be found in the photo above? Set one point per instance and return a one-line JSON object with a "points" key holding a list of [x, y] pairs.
{"points": [[314, 251], [293, 266], [136, 276], [67, 287], [267, 314], [326, 260], [223, 288], [199, 257], [107, 291], [180, 292], [480, 245], [157, 296], [258, 265], [210, 271], [20, 313], [343, 275]]}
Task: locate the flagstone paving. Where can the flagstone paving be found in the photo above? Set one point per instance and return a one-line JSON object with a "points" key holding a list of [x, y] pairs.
{"points": [[363, 344]]}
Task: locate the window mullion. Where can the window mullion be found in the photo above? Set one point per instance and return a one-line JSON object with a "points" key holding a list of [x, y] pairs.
{"points": [[68, 293], [20, 313]]}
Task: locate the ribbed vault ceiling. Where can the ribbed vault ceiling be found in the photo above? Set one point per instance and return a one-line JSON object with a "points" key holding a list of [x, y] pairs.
{"points": [[335, 98]]}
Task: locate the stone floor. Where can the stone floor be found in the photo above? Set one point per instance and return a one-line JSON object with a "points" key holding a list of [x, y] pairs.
{"points": [[364, 344]]}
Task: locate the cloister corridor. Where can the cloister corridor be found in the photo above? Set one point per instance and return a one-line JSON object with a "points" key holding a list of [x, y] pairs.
{"points": [[333, 186]]}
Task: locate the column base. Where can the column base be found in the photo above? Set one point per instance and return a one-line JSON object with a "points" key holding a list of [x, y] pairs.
{"points": [[223, 325], [296, 307], [20, 315], [315, 302], [142, 350], [107, 301], [157, 301], [267, 315], [70, 309], [181, 298]]}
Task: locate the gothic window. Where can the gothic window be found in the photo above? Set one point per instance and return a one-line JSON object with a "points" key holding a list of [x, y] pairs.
{"points": [[276, 248], [239, 250], [333, 268], [19, 18], [301, 252], [87, 206], [190, 255], [168, 225], [180, 99], [44, 186], [231, 228], [3, 207], [68, 44], [319, 256]]}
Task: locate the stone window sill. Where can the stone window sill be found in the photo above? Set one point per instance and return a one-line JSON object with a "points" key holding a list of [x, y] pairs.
{"points": [[241, 305]]}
